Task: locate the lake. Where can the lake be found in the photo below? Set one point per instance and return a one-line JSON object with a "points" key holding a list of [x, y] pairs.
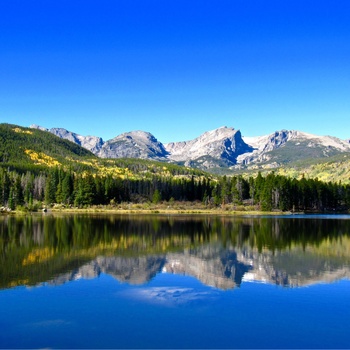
{"points": [[133, 281]]}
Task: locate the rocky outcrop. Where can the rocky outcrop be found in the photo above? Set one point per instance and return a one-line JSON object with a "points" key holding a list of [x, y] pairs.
{"points": [[220, 148], [300, 145], [91, 143], [262, 145], [224, 144], [135, 144]]}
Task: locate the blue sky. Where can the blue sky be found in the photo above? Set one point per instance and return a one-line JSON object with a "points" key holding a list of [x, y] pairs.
{"points": [[176, 68]]}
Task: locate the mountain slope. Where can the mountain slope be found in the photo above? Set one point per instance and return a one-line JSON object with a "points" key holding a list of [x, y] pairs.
{"points": [[216, 148], [91, 143], [26, 149], [22, 148], [225, 151], [289, 146], [135, 144], [220, 147]]}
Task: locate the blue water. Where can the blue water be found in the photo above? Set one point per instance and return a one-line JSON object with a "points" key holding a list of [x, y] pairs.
{"points": [[147, 282], [174, 311]]}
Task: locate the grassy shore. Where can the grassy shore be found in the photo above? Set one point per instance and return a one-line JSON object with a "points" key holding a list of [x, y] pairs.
{"points": [[167, 208]]}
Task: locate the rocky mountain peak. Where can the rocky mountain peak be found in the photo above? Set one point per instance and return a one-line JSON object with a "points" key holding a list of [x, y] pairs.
{"points": [[224, 144], [222, 147], [91, 143], [133, 144]]}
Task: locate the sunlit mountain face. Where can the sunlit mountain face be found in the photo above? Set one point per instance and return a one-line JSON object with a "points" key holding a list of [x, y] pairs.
{"points": [[222, 148]]}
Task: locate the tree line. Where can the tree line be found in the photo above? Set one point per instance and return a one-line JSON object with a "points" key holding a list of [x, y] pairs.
{"points": [[272, 192]]}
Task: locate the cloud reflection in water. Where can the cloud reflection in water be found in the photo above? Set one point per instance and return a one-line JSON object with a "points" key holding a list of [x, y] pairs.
{"points": [[170, 296]]}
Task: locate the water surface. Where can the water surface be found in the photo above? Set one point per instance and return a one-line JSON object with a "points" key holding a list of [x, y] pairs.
{"points": [[83, 281]]}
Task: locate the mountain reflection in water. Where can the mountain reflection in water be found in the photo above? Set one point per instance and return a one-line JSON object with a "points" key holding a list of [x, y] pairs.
{"points": [[219, 251]]}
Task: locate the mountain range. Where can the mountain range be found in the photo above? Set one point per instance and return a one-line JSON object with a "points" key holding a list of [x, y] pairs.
{"points": [[222, 148], [223, 268]]}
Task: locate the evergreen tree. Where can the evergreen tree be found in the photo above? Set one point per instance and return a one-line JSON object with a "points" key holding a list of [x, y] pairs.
{"points": [[17, 191], [5, 186], [266, 193], [157, 197], [85, 191], [51, 186], [27, 183], [235, 197], [67, 188]]}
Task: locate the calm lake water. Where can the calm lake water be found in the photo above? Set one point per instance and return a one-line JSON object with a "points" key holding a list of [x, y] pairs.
{"points": [[100, 281]]}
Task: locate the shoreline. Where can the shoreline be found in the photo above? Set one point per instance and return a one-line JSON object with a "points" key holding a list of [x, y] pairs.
{"points": [[151, 211], [184, 208], [170, 212]]}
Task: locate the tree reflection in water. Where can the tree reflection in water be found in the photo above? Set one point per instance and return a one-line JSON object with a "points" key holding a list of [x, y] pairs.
{"points": [[218, 251]]}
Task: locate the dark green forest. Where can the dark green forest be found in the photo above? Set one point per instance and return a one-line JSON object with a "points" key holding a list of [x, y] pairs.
{"points": [[273, 192], [38, 168]]}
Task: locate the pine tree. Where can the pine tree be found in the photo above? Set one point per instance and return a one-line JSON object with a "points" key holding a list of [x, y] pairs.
{"points": [[27, 183], [51, 186], [266, 193], [64, 191], [157, 197], [17, 191], [5, 187], [11, 201], [85, 191]]}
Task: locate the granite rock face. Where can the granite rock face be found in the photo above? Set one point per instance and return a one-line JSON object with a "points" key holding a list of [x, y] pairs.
{"points": [[91, 143], [224, 144], [299, 145], [135, 144], [220, 148]]}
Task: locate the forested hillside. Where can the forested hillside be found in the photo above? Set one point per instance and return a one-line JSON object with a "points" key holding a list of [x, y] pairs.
{"points": [[37, 168], [25, 149], [28, 149]]}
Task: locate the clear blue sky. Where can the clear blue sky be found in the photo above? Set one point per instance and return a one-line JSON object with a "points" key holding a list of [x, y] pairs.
{"points": [[176, 68]]}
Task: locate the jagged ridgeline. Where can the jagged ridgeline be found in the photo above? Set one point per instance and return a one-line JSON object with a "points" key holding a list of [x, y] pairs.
{"points": [[24, 149], [37, 167], [226, 151]]}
